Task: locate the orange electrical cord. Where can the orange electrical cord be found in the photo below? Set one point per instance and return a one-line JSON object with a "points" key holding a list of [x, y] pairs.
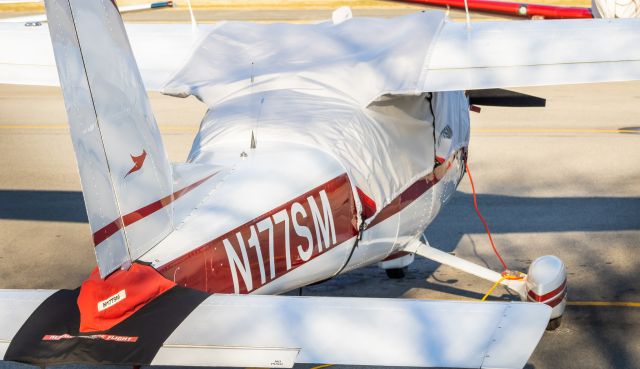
{"points": [[506, 273], [484, 222]]}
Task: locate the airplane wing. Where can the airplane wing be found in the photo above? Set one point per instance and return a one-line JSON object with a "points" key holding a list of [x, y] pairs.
{"points": [[279, 331], [533, 53], [438, 55], [409, 55], [160, 50]]}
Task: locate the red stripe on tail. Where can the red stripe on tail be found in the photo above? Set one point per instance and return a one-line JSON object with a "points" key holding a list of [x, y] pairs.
{"points": [[107, 231]]}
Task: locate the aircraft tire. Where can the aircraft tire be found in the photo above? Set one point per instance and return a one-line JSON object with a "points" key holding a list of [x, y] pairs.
{"points": [[396, 273], [554, 324]]}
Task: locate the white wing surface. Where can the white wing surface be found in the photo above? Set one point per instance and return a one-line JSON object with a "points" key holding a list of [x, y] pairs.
{"points": [[532, 53], [15, 308], [278, 331], [27, 56], [366, 58], [420, 52]]}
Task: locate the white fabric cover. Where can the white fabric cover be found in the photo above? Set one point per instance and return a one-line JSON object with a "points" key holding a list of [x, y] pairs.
{"points": [[325, 85], [352, 89], [615, 8], [367, 78], [359, 59], [383, 149]]}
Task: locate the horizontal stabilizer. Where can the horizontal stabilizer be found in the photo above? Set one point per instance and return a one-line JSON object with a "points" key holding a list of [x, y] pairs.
{"points": [[278, 331]]}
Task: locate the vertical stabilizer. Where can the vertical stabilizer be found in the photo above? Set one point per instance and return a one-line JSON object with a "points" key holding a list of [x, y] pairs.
{"points": [[125, 175]]}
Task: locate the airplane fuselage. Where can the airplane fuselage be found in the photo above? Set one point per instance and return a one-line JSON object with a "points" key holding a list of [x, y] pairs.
{"points": [[267, 229]]}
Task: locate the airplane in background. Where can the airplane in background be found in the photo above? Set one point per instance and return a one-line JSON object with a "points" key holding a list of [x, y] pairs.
{"points": [[38, 19], [598, 9], [326, 147]]}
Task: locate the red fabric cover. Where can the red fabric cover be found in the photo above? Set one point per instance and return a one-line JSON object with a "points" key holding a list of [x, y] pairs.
{"points": [[141, 284]]}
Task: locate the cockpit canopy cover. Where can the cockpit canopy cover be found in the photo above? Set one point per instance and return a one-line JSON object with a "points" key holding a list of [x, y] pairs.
{"points": [[352, 89]]}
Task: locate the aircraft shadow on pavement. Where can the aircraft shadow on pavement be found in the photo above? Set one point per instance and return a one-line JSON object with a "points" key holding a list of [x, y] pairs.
{"points": [[514, 214], [505, 214], [53, 206]]}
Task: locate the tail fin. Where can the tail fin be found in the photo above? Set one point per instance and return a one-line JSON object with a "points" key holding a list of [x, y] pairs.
{"points": [[124, 171]]}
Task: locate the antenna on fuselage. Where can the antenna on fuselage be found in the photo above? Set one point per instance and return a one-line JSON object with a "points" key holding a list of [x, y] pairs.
{"points": [[253, 137], [254, 133], [253, 141]]}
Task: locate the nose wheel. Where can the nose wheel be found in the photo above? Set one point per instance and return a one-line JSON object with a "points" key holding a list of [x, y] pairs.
{"points": [[396, 273], [396, 265], [554, 323]]}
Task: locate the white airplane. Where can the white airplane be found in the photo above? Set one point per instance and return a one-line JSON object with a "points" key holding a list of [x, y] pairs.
{"points": [[326, 147]]}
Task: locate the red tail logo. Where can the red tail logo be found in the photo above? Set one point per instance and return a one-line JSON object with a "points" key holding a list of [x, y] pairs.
{"points": [[137, 162]]}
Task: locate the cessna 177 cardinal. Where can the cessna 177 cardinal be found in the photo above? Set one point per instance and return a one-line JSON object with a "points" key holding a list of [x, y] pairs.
{"points": [[326, 147]]}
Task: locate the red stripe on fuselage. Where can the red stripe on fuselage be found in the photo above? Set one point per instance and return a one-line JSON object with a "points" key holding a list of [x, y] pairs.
{"points": [[397, 255], [113, 227], [208, 268], [251, 250], [409, 195]]}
